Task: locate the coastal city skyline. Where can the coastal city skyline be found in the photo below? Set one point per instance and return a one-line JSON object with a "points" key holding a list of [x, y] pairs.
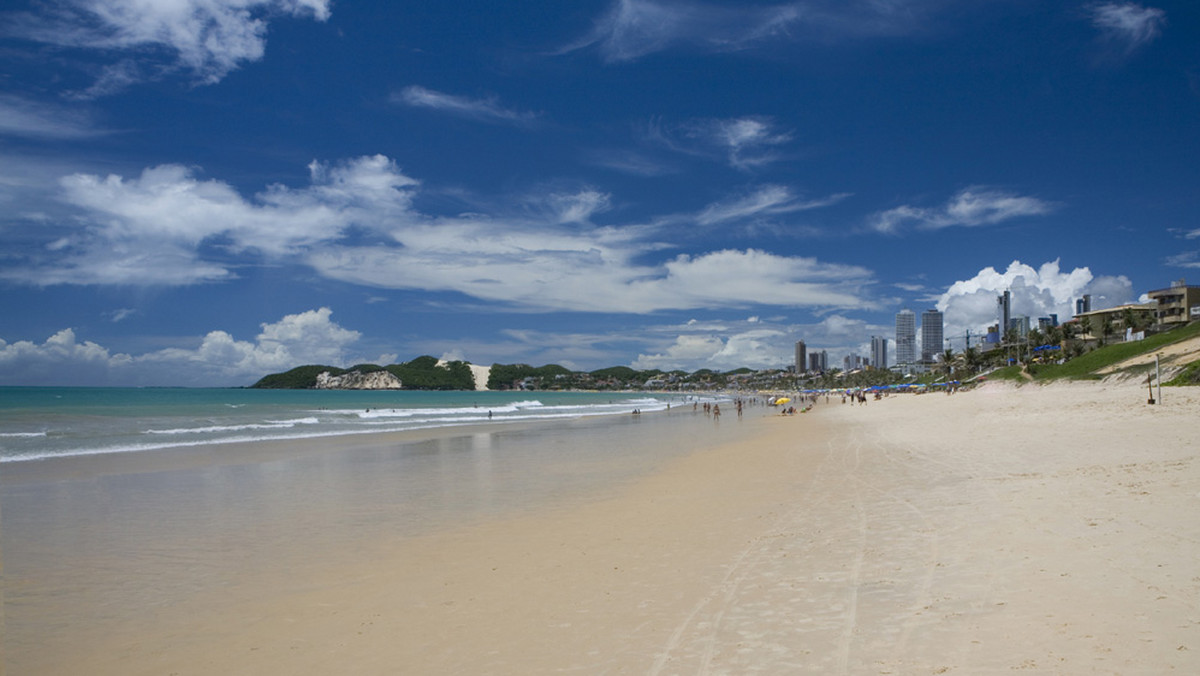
{"points": [[201, 193]]}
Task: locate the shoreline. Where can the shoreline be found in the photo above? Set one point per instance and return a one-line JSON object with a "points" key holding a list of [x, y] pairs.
{"points": [[985, 531]]}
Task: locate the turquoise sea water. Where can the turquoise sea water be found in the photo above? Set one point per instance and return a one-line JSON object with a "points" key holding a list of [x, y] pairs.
{"points": [[47, 422]]}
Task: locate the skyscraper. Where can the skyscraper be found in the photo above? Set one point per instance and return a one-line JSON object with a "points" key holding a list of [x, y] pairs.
{"points": [[879, 352], [906, 337], [1003, 313], [801, 356], [931, 335]]}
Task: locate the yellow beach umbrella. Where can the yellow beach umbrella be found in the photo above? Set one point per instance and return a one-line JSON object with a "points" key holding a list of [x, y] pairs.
{"points": [[781, 401]]}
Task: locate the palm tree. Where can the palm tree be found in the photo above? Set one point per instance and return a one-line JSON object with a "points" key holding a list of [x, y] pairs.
{"points": [[971, 359], [946, 363], [1106, 329]]}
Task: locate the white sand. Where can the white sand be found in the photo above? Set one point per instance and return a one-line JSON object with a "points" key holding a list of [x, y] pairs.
{"points": [[1044, 529]]}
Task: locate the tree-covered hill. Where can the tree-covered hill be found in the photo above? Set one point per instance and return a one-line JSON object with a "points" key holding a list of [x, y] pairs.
{"points": [[422, 373]]}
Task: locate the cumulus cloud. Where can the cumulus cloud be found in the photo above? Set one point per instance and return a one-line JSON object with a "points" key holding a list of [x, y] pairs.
{"points": [[970, 304], [208, 38], [685, 353], [486, 110], [971, 207], [755, 343], [218, 360], [1127, 24]]}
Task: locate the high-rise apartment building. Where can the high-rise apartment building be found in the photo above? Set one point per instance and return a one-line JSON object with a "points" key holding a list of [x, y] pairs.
{"points": [[906, 337], [931, 335], [818, 362], [879, 352], [801, 356], [1003, 312]]}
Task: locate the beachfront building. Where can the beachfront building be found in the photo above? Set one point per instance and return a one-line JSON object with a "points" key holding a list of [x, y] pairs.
{"points": [[879, 352], [931, 335], [801, 356], [906, 338], [1176, 305], [1124, 322]]}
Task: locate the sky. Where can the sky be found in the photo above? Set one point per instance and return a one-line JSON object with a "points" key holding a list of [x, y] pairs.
{"points": [[201, 192]]}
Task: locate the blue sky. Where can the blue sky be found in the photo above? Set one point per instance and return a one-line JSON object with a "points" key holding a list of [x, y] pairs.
{"points": [[198, 192]]}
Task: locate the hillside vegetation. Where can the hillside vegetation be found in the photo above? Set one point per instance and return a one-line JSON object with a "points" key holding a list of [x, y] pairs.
{"points": [[1181, 360], [422, 373]]}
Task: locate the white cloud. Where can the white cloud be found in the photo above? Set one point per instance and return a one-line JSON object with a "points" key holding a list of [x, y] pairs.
{"points": [[630, 162], [121, 314], [971, 207], [745, 143], [767, 200], [31, 119], [209, 38], [218, 360], [542, 271], [1186, 259], [578, 207], [149, 230], [1126, 23], [632, 29], [487, 110], [749, 141], [685, 353], [761, 344], [169, 227], [971, 304], [61, 359]]}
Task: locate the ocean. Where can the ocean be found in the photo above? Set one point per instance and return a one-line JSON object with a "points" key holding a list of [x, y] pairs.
{"points": [[38, 423]]}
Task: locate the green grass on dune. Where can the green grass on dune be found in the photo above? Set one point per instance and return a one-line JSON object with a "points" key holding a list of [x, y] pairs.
{"points": [[1084, 367]]}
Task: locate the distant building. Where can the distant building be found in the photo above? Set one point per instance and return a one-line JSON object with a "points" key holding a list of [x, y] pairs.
{"points": [[1003, 312], [1047, 323], [879, 352], [818, 362], [1019, 326], [1083, 305], [931, 335], [906, 337], [1177, 304], [801, 356], [993, 335]]}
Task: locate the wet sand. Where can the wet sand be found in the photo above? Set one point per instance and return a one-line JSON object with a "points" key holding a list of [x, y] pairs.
{"points": [[1042, 529]]}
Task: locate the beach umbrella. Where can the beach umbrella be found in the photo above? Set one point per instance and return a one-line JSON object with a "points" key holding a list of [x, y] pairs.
{"points": [[782, 400]]}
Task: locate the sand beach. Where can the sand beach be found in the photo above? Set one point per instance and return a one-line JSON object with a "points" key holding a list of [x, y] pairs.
{"points": [[1043, 529]]}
